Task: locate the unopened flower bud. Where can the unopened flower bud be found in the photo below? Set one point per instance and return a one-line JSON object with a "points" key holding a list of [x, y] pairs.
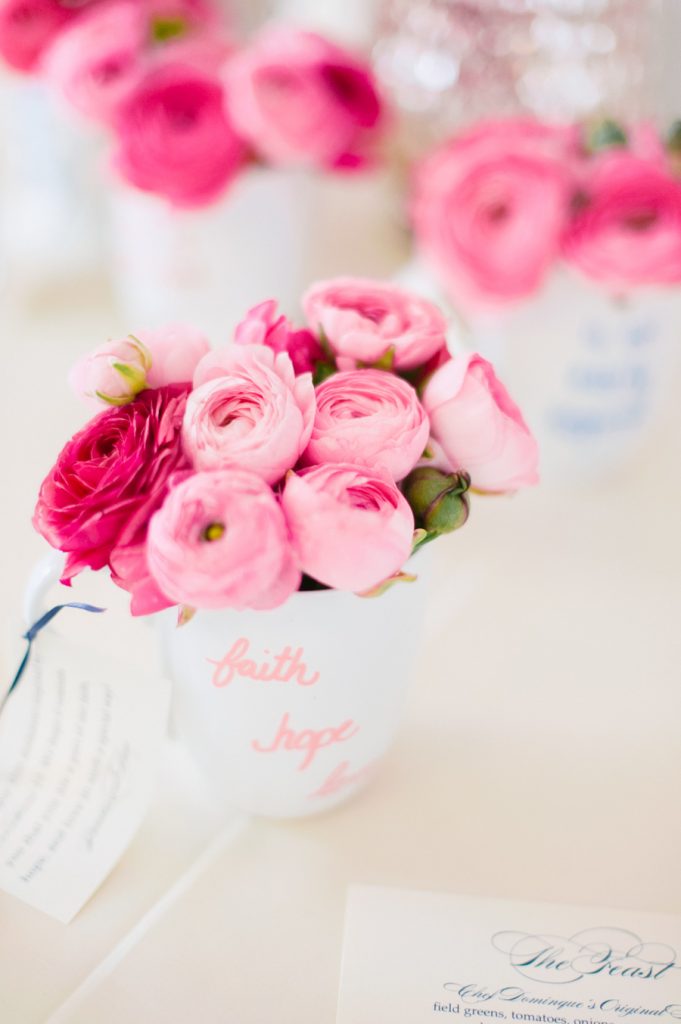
{"points": [[438, 500]]}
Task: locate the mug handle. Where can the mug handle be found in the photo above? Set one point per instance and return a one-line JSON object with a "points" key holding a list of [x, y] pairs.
{"points": [[44, 575]]}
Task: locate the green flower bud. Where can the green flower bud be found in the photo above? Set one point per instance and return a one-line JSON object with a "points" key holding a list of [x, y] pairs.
{"points": [[604, 135], [438, 500]]}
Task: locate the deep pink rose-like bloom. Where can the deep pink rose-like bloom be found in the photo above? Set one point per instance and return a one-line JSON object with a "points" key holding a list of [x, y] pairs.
{"points": [[300, 99], [628, 230], [368, 418], [173, 136], [96, 60], [489, 209], [248, 409], [262, 326], [220, 541], [96, 502], [28, 27], [478, 426], [351, 528], [364, 320]]}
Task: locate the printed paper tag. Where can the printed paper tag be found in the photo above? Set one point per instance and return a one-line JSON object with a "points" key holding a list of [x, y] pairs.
{"points": [[80, 740], [422, 957]]}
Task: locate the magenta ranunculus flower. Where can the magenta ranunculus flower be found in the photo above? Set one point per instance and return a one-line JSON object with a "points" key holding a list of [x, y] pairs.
{"points": [[248, 409], [96, 502], [29, 27], [628, 229], [364, 320], [368, 418], [221, 541], [173, 135], [352, 529], [300, 99], [478, 426], [490, 206], [262, 326]]}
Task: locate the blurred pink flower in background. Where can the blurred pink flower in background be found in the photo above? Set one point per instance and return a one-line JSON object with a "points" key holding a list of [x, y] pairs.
{"points": [[221, 540], [262, 326], [627, 230], [368, 418], [351, 528], [173, 136], [249, 409], [365, 320], [490, 206], [28, 27], [478, 426], [97, 59], [300, 99]]}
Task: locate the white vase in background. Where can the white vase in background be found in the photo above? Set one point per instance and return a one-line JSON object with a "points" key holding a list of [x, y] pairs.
{"points": [[310, 737], [591, 372], [273, 233], [50, 222]]}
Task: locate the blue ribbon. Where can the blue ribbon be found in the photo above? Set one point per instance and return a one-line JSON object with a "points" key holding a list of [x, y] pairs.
{"points": [[32, 632]]}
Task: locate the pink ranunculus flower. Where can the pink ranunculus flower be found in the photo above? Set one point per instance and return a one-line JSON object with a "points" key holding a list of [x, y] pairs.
{"points": [[627, 232], [364, 320], [96, 502], [119, 370], [29, 27], [489, 209], [96, 59], [262, 326], [221, 541], [173, 136], [175, 351], [248, 409], [300, 99], [478, 426], [368, 418], [352, 529]]}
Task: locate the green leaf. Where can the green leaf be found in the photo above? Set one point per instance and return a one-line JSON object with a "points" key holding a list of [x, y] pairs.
{"points": [[605, 134], [164, 29], [322, 372], [380, 588]]}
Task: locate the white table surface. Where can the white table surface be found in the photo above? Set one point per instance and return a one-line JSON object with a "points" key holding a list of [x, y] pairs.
{"points": [[540, 756]]}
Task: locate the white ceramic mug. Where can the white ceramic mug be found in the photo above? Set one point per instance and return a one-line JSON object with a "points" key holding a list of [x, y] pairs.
{"points": [[287, 711]]}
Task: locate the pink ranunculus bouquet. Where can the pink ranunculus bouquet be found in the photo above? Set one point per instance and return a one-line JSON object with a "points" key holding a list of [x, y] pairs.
{"points": [[186, 105], [235, 476], [498, 206]]}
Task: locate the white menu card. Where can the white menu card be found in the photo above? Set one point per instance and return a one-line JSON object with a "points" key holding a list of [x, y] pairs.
{"points": [[419, 957]]}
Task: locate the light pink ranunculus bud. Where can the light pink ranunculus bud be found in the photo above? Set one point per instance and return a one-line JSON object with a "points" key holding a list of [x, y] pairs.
{"points": [[114, 373], [173, 136], [262, 326], [96, 59], [248, 409], [365, 320], [351, 528], [300, 99], [220, 540], [175, 352], [627, 232], [368, 418], [479, 427], [489, 209]]}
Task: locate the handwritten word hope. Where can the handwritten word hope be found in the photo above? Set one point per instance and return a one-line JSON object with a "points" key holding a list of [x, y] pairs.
{"points": [[308, 741], [283, 668]]}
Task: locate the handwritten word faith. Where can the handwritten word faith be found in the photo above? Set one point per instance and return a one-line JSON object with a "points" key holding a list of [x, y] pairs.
{"points": [[284, 667]]}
